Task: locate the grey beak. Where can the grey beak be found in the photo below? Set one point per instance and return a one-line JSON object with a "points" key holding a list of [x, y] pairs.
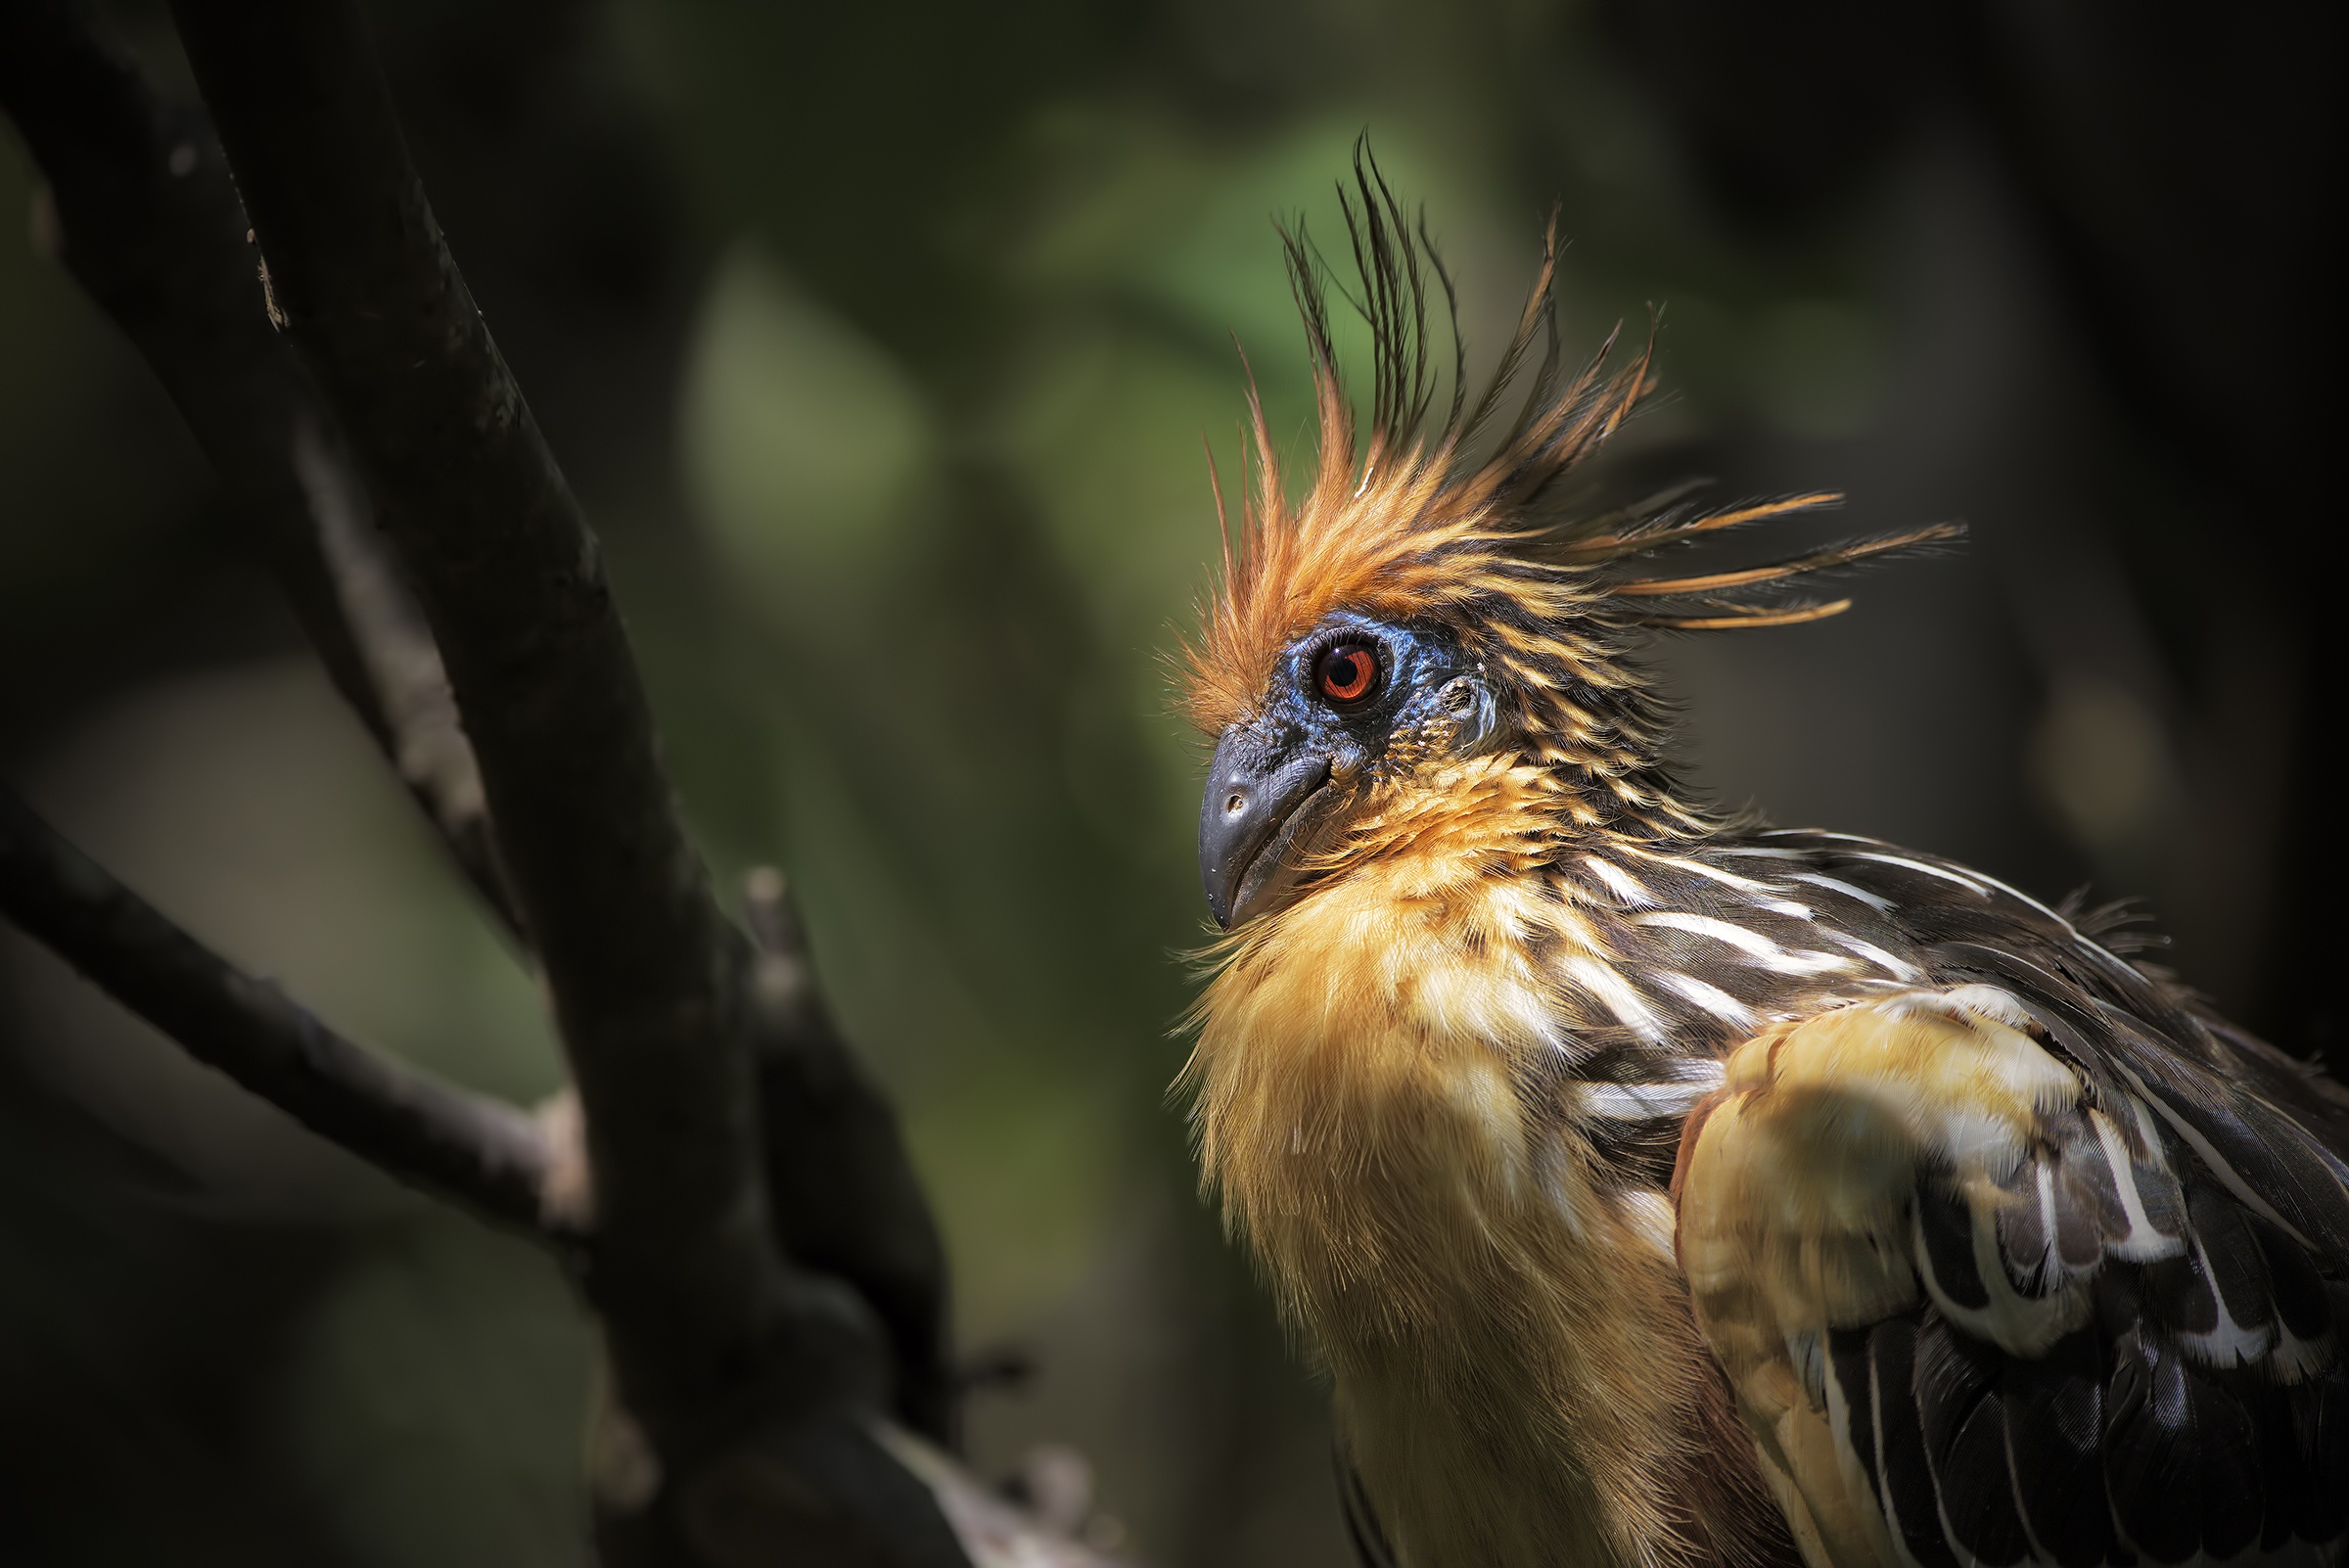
{"points": [[1261, 805]]}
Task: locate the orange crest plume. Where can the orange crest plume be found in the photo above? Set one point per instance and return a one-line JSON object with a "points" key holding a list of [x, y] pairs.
{"points": [[1414, 528]]}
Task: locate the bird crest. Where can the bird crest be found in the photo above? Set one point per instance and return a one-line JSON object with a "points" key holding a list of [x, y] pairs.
{"points": [[1458, 525]]}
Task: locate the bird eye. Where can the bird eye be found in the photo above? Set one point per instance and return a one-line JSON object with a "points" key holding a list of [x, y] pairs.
{"points": [[1347, 674]]}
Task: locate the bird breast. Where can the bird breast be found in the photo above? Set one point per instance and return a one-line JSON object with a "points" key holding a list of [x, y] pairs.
{"points": [[1513, 1364]]}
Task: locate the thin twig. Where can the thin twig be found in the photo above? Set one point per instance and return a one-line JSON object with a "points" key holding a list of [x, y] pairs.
{"points": [[483, 1154], [423, 735], [142, 212], [846, 1201]]}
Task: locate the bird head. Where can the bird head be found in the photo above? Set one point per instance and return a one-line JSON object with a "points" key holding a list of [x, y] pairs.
{"points": [[1425, 648]]}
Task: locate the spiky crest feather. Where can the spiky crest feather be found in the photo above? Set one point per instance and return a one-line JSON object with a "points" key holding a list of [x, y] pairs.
{"points": [[1451, 530]]}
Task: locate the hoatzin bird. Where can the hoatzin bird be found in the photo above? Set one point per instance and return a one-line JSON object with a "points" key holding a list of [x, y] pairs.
{"points": [[1655, 1186]]}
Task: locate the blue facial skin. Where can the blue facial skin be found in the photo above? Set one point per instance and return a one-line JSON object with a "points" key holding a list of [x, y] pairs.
{"points": [[1423, 680], [1282, 777]]}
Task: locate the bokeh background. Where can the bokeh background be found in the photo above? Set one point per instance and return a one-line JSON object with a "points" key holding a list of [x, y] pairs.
{"points": [[881, 342]]}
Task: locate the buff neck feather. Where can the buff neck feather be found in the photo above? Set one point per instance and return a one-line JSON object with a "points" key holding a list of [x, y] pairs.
{"points": [[1514, 1367]]}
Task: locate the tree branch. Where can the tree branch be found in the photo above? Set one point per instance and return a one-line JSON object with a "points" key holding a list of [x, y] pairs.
{"points": [[478, 1152], [724, 1357], [642, 969], [513, 1169], [145, 217], [421, 732], [754, 1383], [846, 1199]]}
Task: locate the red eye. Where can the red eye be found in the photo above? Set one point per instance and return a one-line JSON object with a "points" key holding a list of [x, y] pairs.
{"points": [[1347, 672]]}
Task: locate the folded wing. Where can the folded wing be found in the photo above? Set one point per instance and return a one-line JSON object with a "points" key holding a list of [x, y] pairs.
{"points": [[1996, 1285]]}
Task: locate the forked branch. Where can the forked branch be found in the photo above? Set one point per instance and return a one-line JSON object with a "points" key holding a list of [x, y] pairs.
{"points": [[140, 207], [476, 1152], [641, 967], [760, 1386]]}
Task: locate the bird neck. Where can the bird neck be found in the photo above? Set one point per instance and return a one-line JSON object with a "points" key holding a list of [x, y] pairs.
{"points": [[1504, 1325]]}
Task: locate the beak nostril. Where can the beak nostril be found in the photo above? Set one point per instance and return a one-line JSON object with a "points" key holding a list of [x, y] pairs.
{"points": [[1250, 823]]}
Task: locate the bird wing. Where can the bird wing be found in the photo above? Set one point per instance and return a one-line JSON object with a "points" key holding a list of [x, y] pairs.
{"points": [[1997, 1277]]}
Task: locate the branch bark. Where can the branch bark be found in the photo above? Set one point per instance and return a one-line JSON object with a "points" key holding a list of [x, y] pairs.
{"points": [[844, 1192], [642, 970], [755, 1385], [143, 213], [751, 1504], [749, 1427], [477, 1152]]}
